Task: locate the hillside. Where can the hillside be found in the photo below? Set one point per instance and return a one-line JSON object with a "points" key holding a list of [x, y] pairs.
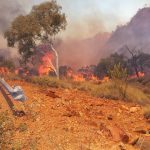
{"points": [[136, 33], [64, 119]]}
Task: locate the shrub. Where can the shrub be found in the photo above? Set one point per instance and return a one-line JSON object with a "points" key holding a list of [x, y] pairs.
{"points": [[114, 89], [119, 76], [23, 127]]}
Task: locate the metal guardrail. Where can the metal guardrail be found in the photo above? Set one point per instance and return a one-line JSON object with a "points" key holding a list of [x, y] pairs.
{"points": [[16, 92], [13, 93]]}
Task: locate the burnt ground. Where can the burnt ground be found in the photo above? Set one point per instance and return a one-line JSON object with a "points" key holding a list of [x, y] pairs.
{"points": [[62, 119]]}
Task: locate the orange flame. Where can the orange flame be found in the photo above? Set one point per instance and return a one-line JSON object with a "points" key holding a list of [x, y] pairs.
{"points": [[141, 74], [46, 64], [4, 70]]}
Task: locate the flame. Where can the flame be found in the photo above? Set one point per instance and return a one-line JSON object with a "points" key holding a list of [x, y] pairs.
{"points": [[78, 77], [81, 77], [105, 79], [141, 74], [4, 70], [46, 64]]}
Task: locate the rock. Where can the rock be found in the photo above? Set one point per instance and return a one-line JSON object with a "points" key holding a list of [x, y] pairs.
{"points": [[110, 117], [121, 146], [143, 143], [140, 130], [118, 134], [124, 107], [115, 132], [134, 109], [134, 140]]}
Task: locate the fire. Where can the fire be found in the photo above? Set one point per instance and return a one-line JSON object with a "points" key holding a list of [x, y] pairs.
{"points": [[4, 70], [94, 78], [75, 77], [105, 79], [83, 76], [141, 74], [46, 64], [78, 77]]}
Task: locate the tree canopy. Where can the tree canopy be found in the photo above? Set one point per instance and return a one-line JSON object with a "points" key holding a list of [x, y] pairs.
{"points": [[41, 24]]}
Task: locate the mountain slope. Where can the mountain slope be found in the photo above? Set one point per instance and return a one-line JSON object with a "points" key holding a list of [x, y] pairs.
{"points": [[136, 33]]}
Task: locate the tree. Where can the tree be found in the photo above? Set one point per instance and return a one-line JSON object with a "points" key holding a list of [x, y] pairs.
{"points": [[39, 26], [108, 63], [119, 75]]}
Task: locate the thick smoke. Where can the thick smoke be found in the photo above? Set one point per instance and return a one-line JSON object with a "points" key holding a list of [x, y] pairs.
{"points": [[77, 53], [84, 39], [79, 46]]}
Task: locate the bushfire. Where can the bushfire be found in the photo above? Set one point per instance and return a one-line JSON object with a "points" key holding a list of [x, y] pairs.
{"points": [[46, 64]]}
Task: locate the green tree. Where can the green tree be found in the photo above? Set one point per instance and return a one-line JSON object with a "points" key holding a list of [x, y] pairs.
{"points": [[40, 25]]}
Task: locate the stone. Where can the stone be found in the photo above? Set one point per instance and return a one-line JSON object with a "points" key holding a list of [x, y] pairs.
{"points": [[110, 117], [140, 130], [117, 133], [134, 109], [143, 143]]}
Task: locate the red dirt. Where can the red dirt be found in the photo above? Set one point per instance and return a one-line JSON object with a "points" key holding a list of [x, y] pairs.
{"points": [[61, 119]]}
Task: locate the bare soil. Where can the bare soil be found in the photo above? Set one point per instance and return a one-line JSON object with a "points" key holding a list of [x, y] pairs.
{"points": [[62, 119]]}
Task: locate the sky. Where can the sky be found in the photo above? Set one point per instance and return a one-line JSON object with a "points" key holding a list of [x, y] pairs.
{"points": [[94, 16]]}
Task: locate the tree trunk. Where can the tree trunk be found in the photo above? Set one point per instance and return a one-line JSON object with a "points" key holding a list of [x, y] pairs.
{"points": [[57, 61]]}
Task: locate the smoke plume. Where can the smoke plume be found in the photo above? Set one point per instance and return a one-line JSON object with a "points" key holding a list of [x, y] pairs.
{"points": [[81, 52]]}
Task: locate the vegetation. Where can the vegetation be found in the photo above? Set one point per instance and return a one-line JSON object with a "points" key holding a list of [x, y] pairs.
{"points": [[107, 90], [6, 63], [147, 112], [119, 76], [108, 63], [23, 127], [140, 64], [43, 22]]}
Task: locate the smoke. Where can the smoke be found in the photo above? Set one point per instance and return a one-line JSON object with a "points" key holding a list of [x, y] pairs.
{"points": [[83, 40], [81, 52], [79, 44], [135, 34], [9, 9]]}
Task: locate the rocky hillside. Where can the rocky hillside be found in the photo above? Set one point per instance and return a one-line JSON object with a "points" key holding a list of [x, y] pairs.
{"points": [[136, 33]]}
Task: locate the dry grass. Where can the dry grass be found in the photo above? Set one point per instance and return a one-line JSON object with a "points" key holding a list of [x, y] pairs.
{"points": [[147, 112], [109, 90]]}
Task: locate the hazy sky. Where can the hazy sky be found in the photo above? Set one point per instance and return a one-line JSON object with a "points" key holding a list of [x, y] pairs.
{"points": [[92, 16]]}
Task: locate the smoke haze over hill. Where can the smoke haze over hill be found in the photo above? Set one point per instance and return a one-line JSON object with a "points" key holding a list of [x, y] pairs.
{"points": [[135, 34]]}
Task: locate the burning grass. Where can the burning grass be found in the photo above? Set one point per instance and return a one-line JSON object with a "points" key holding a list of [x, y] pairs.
{"points": [[107, 90]]}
